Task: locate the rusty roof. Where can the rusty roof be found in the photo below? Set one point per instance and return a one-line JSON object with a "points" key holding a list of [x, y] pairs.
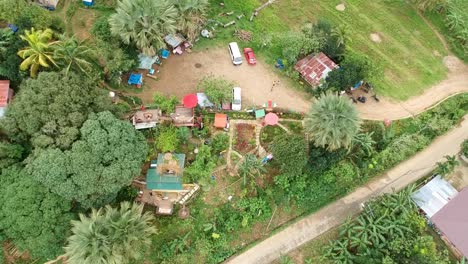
{"points": [[315, 68]]}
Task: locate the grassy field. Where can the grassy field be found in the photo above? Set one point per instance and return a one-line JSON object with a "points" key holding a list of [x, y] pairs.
{"points": [[410, 52]]}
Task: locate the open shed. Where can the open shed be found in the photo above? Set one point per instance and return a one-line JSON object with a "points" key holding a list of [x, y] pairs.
{"points": [[434, 195], [146, 119], [183, 116]]}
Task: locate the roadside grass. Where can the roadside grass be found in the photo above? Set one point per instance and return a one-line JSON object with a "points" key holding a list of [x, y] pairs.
{"points": [[437, 20], [410, 53]]}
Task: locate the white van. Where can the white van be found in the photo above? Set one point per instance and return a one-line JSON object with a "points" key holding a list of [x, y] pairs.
{"points": [[236, 99], [235, 53]]}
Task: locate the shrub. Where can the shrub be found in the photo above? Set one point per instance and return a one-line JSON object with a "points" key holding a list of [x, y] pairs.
{"points": [[166, 104], [216, 89], [464, 146], [167, 140], [220, 142]]}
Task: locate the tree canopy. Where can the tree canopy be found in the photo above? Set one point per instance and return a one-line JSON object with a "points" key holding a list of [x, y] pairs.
{"points": [[332, 122], [144, 23], [217, 89], [291, 152], [49, 111], [110, 235], [32, 217], [107, 157]]}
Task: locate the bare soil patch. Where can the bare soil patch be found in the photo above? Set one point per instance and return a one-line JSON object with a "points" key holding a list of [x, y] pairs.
{"points": [[341, 7], [180, 74], [82, 22], [375, 37], [244, 138]]}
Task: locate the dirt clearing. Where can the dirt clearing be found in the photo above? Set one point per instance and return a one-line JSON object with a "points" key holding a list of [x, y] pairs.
{"points": [[180, 74]]}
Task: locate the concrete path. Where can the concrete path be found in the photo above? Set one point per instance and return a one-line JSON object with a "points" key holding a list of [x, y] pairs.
{"points": [[334, 214]]}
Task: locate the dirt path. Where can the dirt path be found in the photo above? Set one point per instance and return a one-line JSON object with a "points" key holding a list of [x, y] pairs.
{"points": [[180, 74], [456, 82], [334, 214]]}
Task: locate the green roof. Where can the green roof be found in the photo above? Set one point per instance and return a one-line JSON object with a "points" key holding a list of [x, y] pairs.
{"points": [[259, 113], [168, 182]]}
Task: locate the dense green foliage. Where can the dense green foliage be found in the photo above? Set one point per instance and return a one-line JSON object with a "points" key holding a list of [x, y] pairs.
{"points": [[108, 155], [32, 217], [167, 139], [49, 111], [464, 148], [9, 60], [218, 90], [332, 122], [144, 23], [457, 21], [166, 104], [113, 235], [390, 230]]}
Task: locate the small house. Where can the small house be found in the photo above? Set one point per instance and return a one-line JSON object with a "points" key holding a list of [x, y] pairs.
{"points": [[146, 119], [183, 116], [6, 94], [177, 42], [315, 68], [164, 185], [221, 121]]}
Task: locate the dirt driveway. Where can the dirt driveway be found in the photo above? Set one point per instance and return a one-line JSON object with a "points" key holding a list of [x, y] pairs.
{"points": [[180, 75]]}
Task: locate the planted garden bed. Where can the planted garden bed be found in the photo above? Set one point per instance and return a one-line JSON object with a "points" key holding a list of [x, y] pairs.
{"points": [[268, 134], [245, 138]]}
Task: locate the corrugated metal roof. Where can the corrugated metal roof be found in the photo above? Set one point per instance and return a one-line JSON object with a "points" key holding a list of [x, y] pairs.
{"points": [[165, 182], [452, 220], [434, 195], [4, 92], [315, 68]]}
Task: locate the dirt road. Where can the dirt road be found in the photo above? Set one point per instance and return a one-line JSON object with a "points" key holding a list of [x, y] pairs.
{"points": [[334, 214], [180, 75]]}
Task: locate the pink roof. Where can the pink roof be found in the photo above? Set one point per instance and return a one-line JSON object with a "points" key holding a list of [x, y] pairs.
{"points": [[452, 220], [5, 92], [271, 119], [315, 68]]}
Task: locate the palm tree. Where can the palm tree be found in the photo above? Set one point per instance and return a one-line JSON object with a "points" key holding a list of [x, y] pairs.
{"points": [[447, 167], [340, 33], [454, 20], [39, 52], [144, 23], [251, 168], [363, 141], [332, 122], [71, 54], [112, 235], [192, 17]]}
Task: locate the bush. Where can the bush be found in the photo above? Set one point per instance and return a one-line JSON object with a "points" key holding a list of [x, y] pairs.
{"points": [[167, 140], [216, 89], [166, 104], [464, 146], [220, 142]]}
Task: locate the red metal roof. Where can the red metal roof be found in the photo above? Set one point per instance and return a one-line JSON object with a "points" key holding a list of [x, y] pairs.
{"points": [[315, 68], [5, 92], [220, 120], [452, 220]]}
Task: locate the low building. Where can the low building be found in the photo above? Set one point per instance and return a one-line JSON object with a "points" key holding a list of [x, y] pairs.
{"points": [[446, 208], [6, 95], [183, 116], [315, 68], [452, 222], [164, 184], [221, 121], [146, 119]]}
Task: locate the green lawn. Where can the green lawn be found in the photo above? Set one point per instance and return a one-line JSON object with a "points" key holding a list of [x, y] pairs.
{"points": [[410, 53]]}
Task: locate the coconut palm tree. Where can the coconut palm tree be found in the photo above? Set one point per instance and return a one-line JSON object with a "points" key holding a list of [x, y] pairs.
{"points": [[39, 53], [192, 17], [363, 141], [144, 23], [340, 33], [251, 168], [332, 122], [110, 235], [71, 54]]}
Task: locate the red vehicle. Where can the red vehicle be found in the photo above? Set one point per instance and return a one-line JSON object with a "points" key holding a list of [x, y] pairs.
{"points": [[250, 56]]}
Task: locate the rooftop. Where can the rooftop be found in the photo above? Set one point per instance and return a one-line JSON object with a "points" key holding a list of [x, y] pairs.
{"points": [[165, 173], [315, 68]]}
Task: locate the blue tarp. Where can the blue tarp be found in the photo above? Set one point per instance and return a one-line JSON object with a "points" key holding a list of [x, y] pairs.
{"points": [[164, 53], [135, 79], [13, 28], [88, 2]]}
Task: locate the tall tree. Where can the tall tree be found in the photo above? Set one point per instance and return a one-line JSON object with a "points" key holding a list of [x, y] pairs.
{"points": [[107, 157], [48, 111], [144, 23], [39, 52], [332, 122], [72, 54], [250, 168], [110, 235], [30, 216], [192, 16]]}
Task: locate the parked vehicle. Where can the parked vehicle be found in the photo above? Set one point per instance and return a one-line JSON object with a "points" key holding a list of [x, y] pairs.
{"points": [[250, 56], [236, 99], [235, 53]]}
